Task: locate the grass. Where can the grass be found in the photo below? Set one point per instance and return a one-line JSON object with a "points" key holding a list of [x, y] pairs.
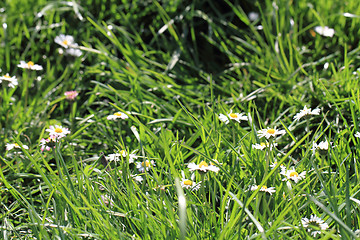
{"points": [[173, 67]]}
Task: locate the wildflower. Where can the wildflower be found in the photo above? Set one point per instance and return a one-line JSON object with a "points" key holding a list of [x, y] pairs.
{"points": [[74, 51], [314, 224], [189, 183], [270, 132], [234, 116], [264, 145], [274, 164], [57, 131], [145, 165], [357, 134], [325, 31], [30, 65], [117, 156], [137, 178], [306, 112], [47, 144], [322, 147], [203, 166], [117, 115], [10, 146], [264, 188], [291, 174], [71, 95], [12, 80], [64, 40]]}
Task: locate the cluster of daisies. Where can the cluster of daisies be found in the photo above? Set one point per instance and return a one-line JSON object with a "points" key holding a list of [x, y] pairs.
{"points": [[289, 175]]}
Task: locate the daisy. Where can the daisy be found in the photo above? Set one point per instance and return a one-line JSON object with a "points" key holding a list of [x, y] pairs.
{"points": [[122, 154], [30, 65], [270, 132], [12, 80], [74, 51], [189, 183], [145, 165], [314, 224], [264, 145], [325, 31], [10, 146], [71, 95], [291, 174], [234, 116], [137, 178], [306, 112], [47, 144], [322, 147], [117, 115], [264, 188], [65, 41], [357, 134], [203, 166], [274, 164], [57, 131]]}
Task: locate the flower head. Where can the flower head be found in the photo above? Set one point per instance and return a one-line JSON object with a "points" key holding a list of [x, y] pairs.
{"points": [[12, 81], [325, 31], [357, 134], [74, 51], [234, 116], [306, 112], [189, 183], [264, 145], [64, 40], [145, 165], [264, 188], [291, 174], [122, 154], [30, 65], [314, 225], [322, 147], [48, 143], [117, 115], [71, 95], [57, 131], [270, 132], [10, 146], [203, 166]]}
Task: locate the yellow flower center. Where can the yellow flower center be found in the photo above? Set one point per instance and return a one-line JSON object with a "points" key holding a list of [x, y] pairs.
{"points": [[203, 164], [271, 131], [58, 130], [188, 182], [263, 144], [264, 187], [123, 152], [233, 115], [30, 64], [6, 76], [16, 145], [118, 114], [65, 42], [146, 164], [294, 174]]}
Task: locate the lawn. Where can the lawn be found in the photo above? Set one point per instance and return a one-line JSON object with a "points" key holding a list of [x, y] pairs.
{"points": [[178, 119]]}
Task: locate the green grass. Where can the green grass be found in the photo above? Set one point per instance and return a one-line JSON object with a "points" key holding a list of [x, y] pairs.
{"points": [[173, 67]]}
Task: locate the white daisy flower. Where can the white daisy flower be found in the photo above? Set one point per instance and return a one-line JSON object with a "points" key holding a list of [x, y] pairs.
{"points": [[264, 145], [306, 112], [357, 134], [291, 174], [12, 80], [117, 115], [325, 31], [270, 132], [10, 146], [234, 116], [203, 166], [314, 225], [145, 165], [117, 156], [65, 41], [57, 131], [137, 178], [48, 143], [264, 188], [74, 51], [190, 183], [322, 147], [30, 65], [274, 164]]}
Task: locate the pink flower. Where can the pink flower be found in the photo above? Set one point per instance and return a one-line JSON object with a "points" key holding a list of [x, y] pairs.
{"points": [[71, 95]]}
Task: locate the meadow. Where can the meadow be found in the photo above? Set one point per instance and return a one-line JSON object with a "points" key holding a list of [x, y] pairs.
{"points": [[179, 119]]}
